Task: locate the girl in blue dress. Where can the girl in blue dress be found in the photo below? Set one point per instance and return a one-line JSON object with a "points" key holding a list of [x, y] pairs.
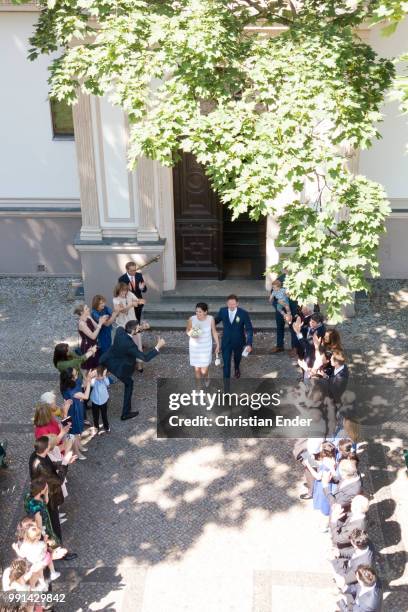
{"points": [[326, 460], [77, 390]]}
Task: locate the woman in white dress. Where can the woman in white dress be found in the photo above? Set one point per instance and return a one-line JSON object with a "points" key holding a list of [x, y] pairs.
{"points": [[125, 302], [201, 330]]}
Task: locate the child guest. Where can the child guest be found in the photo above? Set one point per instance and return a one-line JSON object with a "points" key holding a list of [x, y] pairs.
{"points": [[100, 398]]}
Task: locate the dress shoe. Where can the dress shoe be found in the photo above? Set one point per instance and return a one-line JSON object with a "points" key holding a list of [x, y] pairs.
{"points": [[237, 374], [305, 496], [129, 415], [70, 556], [277, 349]]}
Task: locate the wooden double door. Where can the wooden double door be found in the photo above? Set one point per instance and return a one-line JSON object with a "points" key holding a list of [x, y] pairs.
{"points": [[208, 243]]}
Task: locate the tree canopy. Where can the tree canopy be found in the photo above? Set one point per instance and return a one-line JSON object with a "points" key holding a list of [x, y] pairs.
{"points": [[274, 119]]}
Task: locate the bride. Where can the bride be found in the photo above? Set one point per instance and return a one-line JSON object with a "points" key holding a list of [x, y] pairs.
{"points": [[201, 330]]}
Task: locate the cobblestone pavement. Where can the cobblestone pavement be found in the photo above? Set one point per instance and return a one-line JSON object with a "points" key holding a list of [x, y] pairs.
{"points": [[194, 525]]}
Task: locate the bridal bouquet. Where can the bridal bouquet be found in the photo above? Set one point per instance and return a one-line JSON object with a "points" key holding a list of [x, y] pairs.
{"points": [[195, 331]]}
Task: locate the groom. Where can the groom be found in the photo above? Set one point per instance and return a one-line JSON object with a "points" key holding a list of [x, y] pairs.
{"points": [[238, 333]]}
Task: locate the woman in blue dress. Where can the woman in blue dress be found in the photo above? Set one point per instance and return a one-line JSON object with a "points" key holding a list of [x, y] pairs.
{"points": [[76, 390], [100, 309], [326, 460]]}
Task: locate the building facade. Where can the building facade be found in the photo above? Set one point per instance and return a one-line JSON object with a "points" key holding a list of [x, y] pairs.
{"points": [[70, 206]]}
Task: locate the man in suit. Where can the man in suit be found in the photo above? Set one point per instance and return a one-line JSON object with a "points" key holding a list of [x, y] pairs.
{"points": [[364, 596], [338, 381], [237, 334], [120, 359], [281, 319], [342, 527], [349, 485], [136, 284], [363, 554], [41, 466], [305, 334]]}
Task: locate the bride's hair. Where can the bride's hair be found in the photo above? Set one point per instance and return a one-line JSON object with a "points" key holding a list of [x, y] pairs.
{"points": [[202, 306]]}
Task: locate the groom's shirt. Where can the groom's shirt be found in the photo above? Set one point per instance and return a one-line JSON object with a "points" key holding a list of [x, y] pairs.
{"points": [[231, 314]]}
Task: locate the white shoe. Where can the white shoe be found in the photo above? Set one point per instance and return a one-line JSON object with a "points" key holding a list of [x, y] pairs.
{"points": [[54, 575], [62, 514], [63, 520]]}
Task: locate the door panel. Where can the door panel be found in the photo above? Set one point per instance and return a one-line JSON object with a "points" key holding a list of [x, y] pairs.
{"points": [[198, 222]]}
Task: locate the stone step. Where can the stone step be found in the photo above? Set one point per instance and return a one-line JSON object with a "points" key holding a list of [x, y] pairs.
{"points": [[174, 310], [209, 290], [180, 324]]}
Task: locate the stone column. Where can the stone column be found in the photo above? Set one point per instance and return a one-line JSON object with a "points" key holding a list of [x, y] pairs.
{"points": [[91, 229], [146, 181], [272, 253], [165, 222]]}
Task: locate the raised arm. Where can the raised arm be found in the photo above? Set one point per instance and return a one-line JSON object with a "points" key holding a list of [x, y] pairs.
{"points": [[91, 334], [137, 354]]}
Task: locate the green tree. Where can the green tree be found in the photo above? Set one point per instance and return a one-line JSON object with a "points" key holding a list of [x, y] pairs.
{"points": [[274, 119]]}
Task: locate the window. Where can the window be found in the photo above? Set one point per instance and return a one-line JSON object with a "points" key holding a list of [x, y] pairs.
{"points": [[62, 120]]}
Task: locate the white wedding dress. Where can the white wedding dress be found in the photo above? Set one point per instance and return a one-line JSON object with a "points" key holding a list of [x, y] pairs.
{"points": [[201, 346]]}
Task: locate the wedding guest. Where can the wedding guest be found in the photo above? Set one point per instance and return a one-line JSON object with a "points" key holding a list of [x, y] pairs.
{"points": [[89, 331], [126, 302], [45, 423], [306, 451], [331, 341], [40, 465], [306, 345], [136, 284], [237, 334], [326, 464], [59, 412], [348, 487], [347, 427], [56, 456], [363, 554], [285, 310], [339, 379], [100, 399], [35, 550], [202, 331], [342, 526], [21, 576], [99, 310], [120, 360], [35, 505], [73, 389], [366, 595], [63, 358]]}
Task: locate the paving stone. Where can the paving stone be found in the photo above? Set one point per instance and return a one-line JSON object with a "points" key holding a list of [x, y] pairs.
{"points": [[190, 525]]}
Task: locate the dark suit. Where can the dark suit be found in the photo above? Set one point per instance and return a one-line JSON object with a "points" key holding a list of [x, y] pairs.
{"points": [[235, 336], [54, 474], [135, 290], [344, 494], [370, 601], [342, 531], [306, 348], [338, 383], [120, 359], [347, 567]]}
